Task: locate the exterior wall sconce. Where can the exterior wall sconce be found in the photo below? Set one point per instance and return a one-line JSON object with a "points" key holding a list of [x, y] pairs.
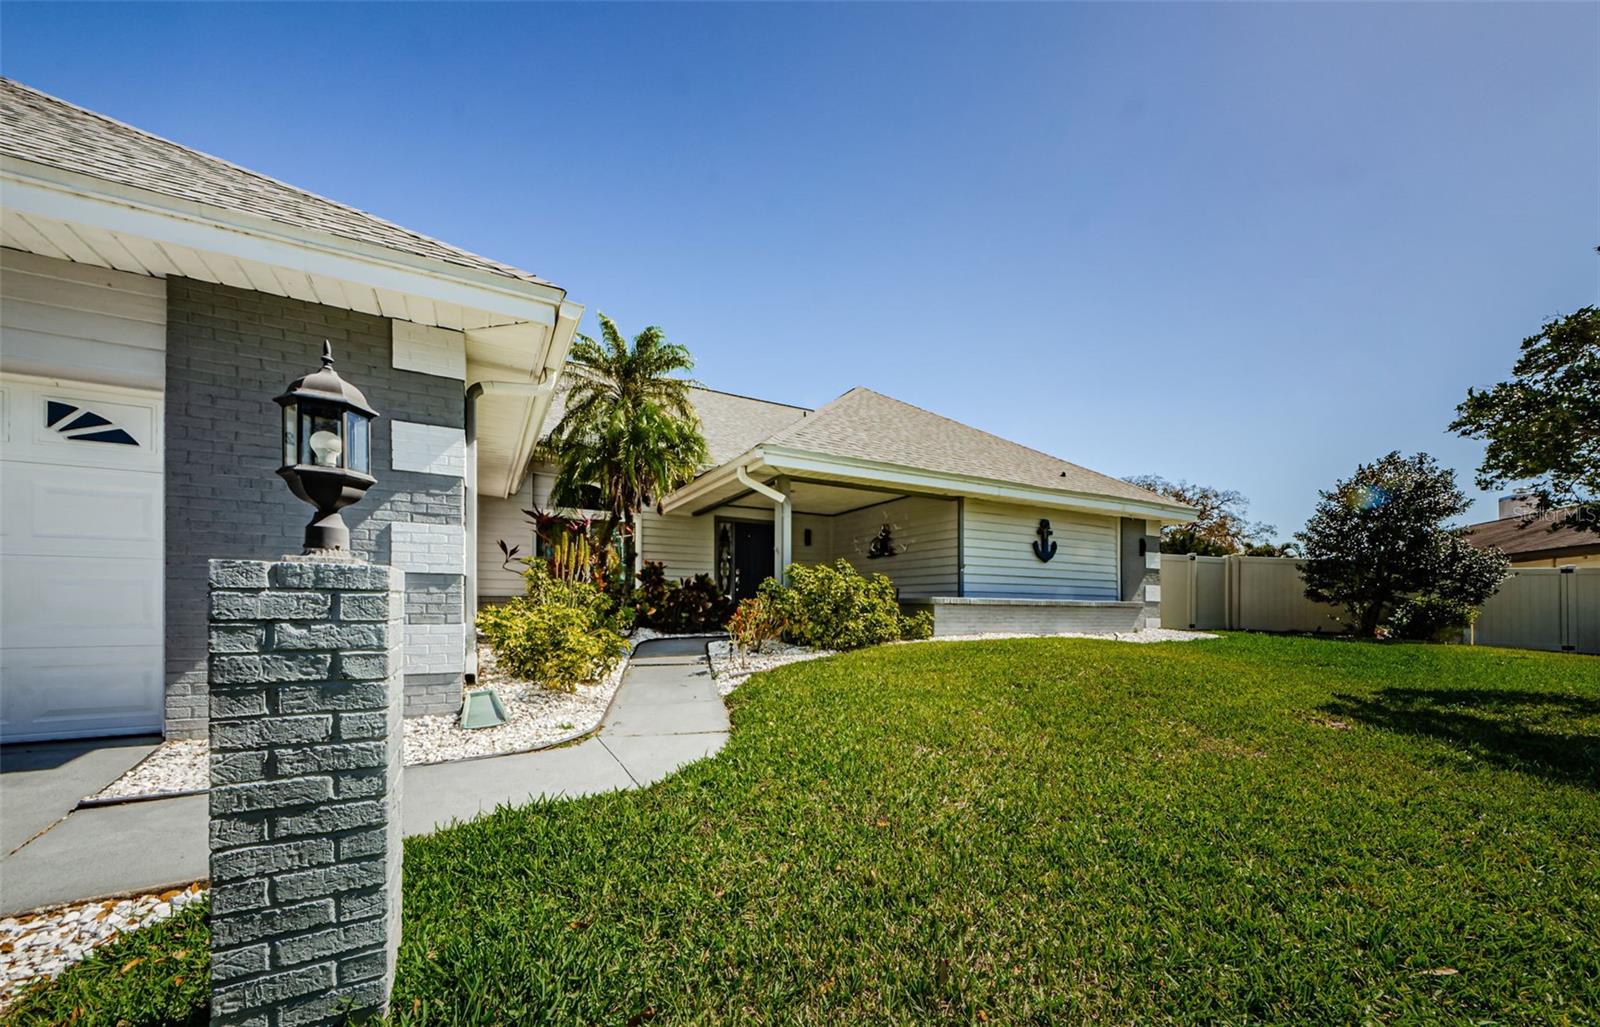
{"points": [[806, 536], [327, 451]]}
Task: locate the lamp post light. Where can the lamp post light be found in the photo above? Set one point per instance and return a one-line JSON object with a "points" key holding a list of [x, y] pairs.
{"points": [[327, 451]]}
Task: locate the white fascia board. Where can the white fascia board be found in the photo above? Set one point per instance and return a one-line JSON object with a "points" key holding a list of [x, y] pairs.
{"points": [[65, 196], [868, 472], [692, 494], [549, 370]]}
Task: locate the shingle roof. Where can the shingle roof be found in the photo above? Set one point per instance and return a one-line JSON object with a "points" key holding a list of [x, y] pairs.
{"points": [[731, 423], [37, 127], [867, 425], [1512, 537]]}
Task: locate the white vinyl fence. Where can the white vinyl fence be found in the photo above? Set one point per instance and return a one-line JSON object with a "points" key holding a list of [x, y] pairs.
{"points": [[1555, 608], [1536, 608]]}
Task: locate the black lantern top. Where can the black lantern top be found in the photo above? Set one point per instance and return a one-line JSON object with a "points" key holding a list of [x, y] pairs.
{"points": [[324, 384]]}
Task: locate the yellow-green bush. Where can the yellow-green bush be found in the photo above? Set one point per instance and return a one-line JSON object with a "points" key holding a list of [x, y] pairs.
{"points": [[559, 635], [837, 608]]}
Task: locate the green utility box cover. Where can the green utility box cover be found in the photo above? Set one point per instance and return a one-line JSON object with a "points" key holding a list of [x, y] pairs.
{"points": [[482, 708]]}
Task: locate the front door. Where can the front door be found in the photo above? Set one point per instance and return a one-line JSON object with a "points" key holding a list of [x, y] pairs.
{"points": [[752, 556]]}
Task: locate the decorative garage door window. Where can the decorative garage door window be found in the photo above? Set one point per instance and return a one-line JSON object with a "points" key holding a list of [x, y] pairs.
{"points": [[80, 424]]}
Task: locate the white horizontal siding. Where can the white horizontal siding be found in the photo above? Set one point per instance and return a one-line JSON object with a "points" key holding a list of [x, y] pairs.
{"points": [[1000, 562], [64, 320], [821, 548], [503, 519], [685, 544], [924, 533]]}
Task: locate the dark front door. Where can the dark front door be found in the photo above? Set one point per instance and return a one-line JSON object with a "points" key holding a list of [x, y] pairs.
{"points": [[752, 557]]}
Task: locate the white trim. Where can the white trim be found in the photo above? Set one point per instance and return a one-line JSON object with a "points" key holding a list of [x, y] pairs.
{"points": [[65, 196], [876, 473], [555, 361]]}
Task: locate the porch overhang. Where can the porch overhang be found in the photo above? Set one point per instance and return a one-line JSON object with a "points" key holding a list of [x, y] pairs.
{"points": [[763, 464], [513, 330]]}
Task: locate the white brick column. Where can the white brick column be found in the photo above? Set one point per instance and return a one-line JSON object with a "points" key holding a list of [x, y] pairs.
{"points": [[305, 706]]}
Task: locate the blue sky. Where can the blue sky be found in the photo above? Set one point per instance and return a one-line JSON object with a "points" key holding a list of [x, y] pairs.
{"points": [[1248, 245]]}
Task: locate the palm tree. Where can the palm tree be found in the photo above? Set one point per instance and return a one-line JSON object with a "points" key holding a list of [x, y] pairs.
{"points": [[629, 431]]}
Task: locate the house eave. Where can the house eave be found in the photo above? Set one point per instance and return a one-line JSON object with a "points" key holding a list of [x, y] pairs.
{"points": [[46, 191], [512, 329], [770, 461]]}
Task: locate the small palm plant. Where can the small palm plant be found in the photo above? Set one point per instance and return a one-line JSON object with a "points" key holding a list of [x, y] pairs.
{"points": [[629, 430]]}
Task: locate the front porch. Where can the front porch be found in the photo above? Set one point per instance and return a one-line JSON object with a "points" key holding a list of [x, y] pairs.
{"points": [[980, 566]]}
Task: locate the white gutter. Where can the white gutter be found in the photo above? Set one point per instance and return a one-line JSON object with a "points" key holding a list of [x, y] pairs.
{"points": [[756, 487], [469, 494], [889, 477], [555, 361]]}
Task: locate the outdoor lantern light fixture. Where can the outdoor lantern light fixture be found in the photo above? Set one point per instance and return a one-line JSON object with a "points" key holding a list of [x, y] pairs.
{"points": [[327, 450]]}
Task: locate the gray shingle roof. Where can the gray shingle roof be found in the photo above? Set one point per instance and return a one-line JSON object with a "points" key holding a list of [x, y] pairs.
{"points": [[731, 424], [867, 425], [37, 127], [1514, 538]]}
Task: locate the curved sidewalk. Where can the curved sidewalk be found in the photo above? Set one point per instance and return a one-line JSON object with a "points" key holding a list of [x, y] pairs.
{"points": [[666, 713]]}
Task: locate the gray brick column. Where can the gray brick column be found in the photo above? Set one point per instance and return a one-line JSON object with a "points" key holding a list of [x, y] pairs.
{"points": [[305, 708], [1141, 571]]}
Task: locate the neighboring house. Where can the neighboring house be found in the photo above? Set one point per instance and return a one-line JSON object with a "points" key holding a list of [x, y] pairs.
{"points": [[1532, 543], [989, 534], [153, 301]]}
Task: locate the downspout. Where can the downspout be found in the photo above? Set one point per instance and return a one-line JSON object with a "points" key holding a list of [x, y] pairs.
{"points": [[469, 497], [756, 487]]}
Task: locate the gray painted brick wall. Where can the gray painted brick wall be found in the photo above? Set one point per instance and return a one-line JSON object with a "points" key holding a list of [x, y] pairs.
{"points": [[433, 598], [229, 351], [1042, 618], [1137, 574], [306, 752]]}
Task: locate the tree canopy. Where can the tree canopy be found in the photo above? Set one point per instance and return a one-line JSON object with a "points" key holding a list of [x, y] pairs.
{"points": [[1220, 527], [1543, 426], [1378, 545], [629, 433]]}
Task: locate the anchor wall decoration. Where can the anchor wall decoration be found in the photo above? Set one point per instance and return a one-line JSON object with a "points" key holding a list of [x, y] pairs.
{"points": [[1044, 549]]}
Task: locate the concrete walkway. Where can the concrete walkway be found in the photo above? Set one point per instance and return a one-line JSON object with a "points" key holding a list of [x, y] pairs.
{"points": [[666, 713]]}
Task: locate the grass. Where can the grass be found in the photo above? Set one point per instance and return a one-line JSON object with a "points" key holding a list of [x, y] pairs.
{"points": [[1253, 830]]}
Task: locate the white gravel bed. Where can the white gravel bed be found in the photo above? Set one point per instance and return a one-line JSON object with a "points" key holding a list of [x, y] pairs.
{"points": [[179, 765], [536, 717], [731, 668], [45, 942]]}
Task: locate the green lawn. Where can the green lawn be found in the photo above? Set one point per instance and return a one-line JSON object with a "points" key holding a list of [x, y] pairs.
{"points": [[1252, 830]]}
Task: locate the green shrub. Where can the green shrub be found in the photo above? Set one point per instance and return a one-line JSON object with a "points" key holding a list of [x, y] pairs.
{"points": [[835, 607], [1430, 618], [561, 633], [917, 626], [755, 623], [551, 644], [691, 605]]}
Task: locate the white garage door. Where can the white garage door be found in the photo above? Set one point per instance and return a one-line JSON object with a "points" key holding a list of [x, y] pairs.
{"points": [[80, 560]]}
